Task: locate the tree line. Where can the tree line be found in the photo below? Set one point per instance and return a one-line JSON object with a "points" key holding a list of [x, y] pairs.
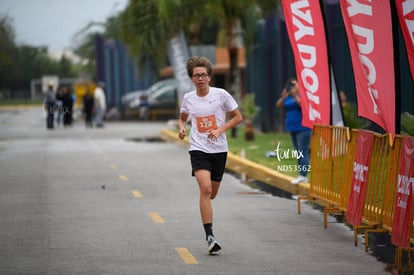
{"points": [[19, 64]]}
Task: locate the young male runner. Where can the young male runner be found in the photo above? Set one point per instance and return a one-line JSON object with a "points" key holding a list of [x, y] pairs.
{"points": [[207, 107]]}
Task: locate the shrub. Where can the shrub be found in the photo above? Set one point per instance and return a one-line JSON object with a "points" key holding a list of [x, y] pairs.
{"points": [[407, 124]]}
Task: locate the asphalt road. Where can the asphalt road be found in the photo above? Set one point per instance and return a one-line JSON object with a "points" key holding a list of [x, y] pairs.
{"points": [[95, 201]]}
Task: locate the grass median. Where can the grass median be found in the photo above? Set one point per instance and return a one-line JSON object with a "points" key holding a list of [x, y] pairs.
{"points": [[273, 150]]}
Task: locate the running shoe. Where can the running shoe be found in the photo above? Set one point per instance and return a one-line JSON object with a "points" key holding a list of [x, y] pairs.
{"points": [[213, 245], [299, 179]]}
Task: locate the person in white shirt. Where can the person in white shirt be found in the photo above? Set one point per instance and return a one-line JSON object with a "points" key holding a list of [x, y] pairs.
{"points": [[100, 104], [208, 108]]}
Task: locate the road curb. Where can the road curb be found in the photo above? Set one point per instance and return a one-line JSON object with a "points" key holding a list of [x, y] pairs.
{"points": [[20, 107]]}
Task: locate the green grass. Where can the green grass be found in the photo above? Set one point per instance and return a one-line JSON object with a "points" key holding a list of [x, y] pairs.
{"points": [[264, 142]]}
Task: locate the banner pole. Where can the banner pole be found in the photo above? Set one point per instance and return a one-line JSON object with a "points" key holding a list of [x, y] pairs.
{"points": [[396, 46], [336, 114]]}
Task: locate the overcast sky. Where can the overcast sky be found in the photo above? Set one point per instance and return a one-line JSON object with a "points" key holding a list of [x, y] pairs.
{"points": [[53, 23]]}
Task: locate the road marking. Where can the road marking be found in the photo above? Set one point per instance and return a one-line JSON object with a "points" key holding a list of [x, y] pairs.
{"points": [[136, 194], [100, 151], [156, 217], [186, 256], [113, 166], [106, 157], [123, 178]]}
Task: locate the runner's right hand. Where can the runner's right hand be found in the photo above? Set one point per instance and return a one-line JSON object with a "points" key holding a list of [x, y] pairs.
{"points": [[182, 133]]}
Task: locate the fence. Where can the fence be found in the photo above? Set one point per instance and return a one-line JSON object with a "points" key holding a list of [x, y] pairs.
{"points": [[333, 155], [329, 154]]}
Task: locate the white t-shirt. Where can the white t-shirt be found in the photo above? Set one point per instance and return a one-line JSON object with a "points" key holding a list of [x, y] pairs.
{"points": [[100, 98], [208, 112]]}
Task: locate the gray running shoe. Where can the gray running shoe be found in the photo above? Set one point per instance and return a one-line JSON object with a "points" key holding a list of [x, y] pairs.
{"points": [[213, 245]]}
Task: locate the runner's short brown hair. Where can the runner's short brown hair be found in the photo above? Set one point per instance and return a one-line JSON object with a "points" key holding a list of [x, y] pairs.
{"points": [[197, 61]]}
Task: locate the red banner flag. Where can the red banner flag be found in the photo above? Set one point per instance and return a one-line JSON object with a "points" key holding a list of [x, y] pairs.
{"points": [[306, 31], [405, 9], [403, 203], [369, 29], [360, 177]]}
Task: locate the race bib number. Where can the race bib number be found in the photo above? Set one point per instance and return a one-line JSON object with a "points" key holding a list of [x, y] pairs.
{"points": [[206, 123]]}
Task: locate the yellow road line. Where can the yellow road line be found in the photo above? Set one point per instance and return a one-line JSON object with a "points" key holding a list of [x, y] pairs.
{"points": [[156, 217], [106, 157], [113, 166], [136, 194], [186, 256], [123, 178]]}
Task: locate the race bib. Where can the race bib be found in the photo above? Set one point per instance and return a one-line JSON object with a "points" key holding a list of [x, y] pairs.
{"points": [[206, 123]]}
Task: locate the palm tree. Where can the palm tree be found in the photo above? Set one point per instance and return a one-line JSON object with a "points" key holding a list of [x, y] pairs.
{"points": [[148, 25], [230, 14]]}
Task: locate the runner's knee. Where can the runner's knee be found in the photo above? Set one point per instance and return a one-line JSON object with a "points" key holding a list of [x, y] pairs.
{"points": [[206, 191]]}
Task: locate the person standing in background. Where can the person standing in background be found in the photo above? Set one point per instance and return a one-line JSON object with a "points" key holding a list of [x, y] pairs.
{"points": [[300, 135], [49, 102], [67, 104], [100, 104], [88, 105], [208, 107], [59, 107]]}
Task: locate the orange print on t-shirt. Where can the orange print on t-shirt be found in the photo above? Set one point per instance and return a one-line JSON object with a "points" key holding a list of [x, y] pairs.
{"points": [[206, 123]]}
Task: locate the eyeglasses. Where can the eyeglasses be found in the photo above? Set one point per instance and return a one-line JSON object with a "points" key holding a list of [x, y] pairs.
{"points": [[197, 76]]}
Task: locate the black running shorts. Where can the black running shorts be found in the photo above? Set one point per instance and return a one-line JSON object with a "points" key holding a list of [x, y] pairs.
{"points": [[215, 163]]}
